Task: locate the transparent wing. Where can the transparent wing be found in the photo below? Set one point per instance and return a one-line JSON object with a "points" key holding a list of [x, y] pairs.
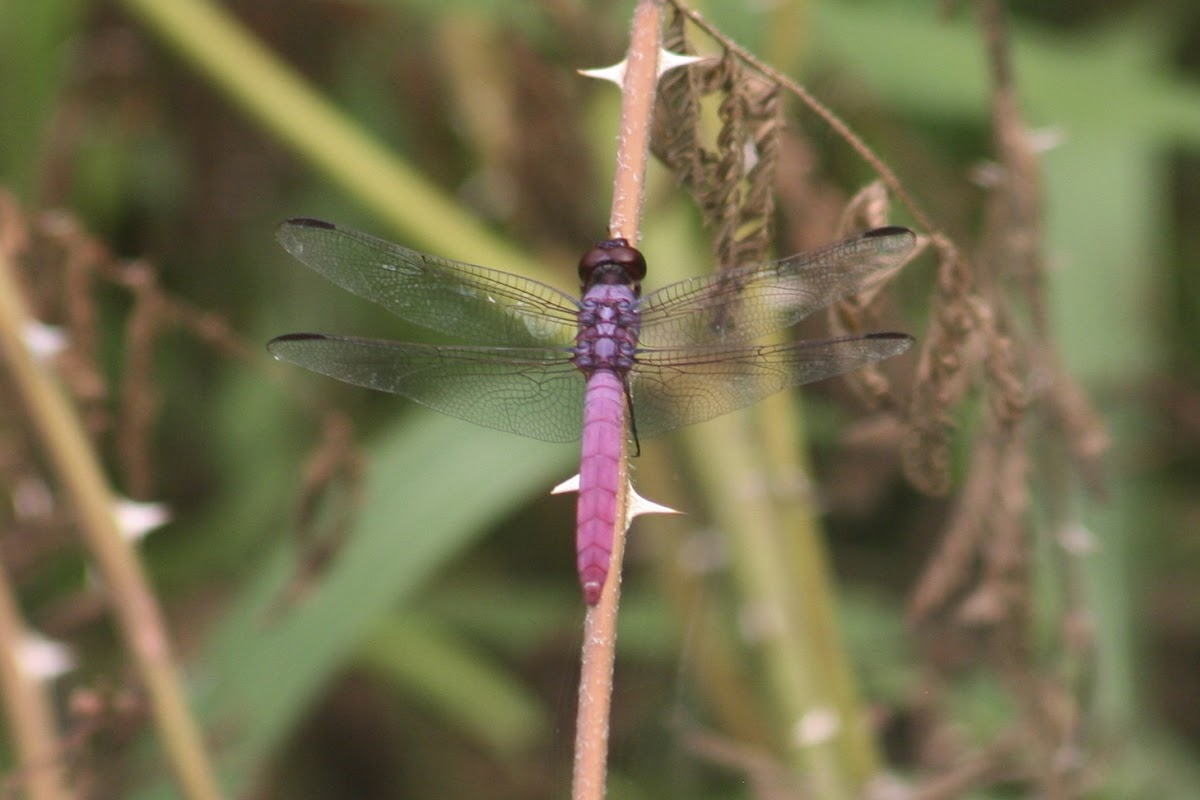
{"points": [[743, 304], [449, 297], [533, 392], [677, 387]]}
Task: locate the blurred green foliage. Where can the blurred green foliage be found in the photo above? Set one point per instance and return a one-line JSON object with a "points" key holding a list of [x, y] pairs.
{"points": [[434, 657]]}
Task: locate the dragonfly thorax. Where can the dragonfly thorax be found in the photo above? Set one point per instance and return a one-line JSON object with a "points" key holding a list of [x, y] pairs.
{"points": [[608, 329]]}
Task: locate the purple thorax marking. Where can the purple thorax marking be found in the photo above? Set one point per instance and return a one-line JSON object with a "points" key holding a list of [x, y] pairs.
{"points": [[611, 274], [605, 347]]}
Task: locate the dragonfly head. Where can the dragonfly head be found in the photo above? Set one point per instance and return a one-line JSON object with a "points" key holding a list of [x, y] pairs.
{"points": [[612, 261]]}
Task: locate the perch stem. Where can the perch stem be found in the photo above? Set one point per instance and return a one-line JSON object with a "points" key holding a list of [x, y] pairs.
{"points": [[600, 625]]}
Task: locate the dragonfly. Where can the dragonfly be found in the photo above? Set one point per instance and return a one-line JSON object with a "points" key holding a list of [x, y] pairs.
{"points": [[605, 365]]}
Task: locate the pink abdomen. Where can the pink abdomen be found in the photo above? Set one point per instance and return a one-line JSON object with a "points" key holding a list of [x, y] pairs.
{"points": [[599, 470]]}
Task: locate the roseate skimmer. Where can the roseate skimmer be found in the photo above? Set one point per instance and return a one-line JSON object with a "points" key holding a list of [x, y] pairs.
{"points": [[550, 366]]}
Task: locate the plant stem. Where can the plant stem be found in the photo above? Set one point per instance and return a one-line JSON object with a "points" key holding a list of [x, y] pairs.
{"points": [[599, 651], [600, 625], [272, 95], [28, 709], [139, 618], [637, 106]]}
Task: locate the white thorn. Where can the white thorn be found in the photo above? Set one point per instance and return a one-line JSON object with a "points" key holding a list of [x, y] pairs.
{"points": [[668, 61], [639, 505], [1078, 540], [818, 725], [138, 519], [1043, 140], [749, 155], [44, 341], [42, 658], [615, 73], [569, 485]]}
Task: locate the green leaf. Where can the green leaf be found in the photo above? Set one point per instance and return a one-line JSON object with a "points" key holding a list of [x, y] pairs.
{"points": [[433, 487], [428, 662]]}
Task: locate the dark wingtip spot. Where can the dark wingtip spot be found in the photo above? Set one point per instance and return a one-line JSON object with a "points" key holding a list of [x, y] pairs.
{"points": [[273, 346], [903, 340], [888, 230], [297, 337], [309, 222]]}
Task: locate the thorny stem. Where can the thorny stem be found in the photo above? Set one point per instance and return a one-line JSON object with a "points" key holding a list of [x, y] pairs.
{"points": [[139, 618], [637, 106], [28, 710], [600, 624], [599, 651]]}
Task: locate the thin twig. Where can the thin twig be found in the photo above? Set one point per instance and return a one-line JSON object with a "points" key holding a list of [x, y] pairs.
{"points": [[600, 624], [139, 618], [27, 708], [637, 106]]}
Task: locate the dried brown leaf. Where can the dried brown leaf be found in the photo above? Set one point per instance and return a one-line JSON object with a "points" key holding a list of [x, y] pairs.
{"points": [[943, 374]]}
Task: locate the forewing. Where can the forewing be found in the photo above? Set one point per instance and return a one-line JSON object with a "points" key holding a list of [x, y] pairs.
{"points": [[676, 387], [450, 297], [743, 304], [533, 392]]}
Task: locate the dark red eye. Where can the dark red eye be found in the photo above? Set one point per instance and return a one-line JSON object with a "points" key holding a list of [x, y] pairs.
{"points": [[616, 252]]}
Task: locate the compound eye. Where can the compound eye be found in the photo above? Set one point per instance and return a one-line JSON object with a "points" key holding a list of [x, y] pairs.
{"points": [[615, 252], [630, 259]]}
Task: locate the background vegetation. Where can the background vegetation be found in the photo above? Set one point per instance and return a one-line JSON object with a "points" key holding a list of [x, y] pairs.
{"points": [[372, 601]]}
